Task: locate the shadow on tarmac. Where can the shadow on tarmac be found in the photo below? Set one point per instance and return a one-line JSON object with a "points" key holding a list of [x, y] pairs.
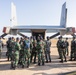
{"points": [[69, 73], [4, 67]]}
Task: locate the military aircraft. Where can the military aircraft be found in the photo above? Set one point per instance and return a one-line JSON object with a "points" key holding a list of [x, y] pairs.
{"points": [[35, 30]]}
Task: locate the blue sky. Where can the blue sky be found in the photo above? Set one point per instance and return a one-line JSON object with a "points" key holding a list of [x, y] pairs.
{"points": [[34, 12]]}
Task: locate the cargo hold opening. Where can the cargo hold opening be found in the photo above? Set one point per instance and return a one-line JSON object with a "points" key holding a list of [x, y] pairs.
{"points": [[37, 32]]}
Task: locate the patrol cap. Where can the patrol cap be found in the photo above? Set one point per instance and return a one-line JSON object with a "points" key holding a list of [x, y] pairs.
{"points": [[17, 38], [12, 37], [9, 38], [66, 38], [26, 37], [31, 37], [48, 37], [60, 36]]}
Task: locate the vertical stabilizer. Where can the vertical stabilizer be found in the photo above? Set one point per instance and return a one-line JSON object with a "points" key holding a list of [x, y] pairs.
{"points": [[63, 15], [13, 15]]}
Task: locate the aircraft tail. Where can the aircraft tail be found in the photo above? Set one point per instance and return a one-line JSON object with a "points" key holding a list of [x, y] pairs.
{"points": [[13, 15], [63, 16]]}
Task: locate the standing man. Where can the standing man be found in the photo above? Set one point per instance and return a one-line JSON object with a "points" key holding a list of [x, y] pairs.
{"points": [[47, 50], [40, 50], [9, 49], [13, 50], [58, 46], [1, 44], [62, 50], [16, 53], [67, 45], [34, 50], [26, 55], [72, 48]]}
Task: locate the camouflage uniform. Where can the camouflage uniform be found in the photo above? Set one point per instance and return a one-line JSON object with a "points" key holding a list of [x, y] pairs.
{"points": [[21, 51], [26, 54], [16, 53], [0, 47], [75, 51], [13, 50], [9, 49], [62, 50], [31, 44], [47, 50], [66, 49], [40, 50], [34, 50], [72, 48], [58, 46]]}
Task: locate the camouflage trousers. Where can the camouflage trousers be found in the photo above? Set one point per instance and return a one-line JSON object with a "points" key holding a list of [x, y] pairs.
{"points": [[59, 52], [0, 53], [26, 58], [40, 58], [66, 51], [72, 54], [16, 56], [63, 55]]}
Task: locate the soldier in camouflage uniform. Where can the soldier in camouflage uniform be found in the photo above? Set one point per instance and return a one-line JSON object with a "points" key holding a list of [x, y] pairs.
{"points": [[62, 50], [31, 43], [31, 48], [58, 46], [26, 55], [16, 53], [75, 52], [1, 43], [47, 50], [13, 42], [72, 48], [21, 51], [40, 50], [66, 49], [34, 50], [9, 49]]}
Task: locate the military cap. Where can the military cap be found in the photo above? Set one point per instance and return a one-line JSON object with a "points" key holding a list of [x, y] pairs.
{"points": [[17, 38], [26, 37], [60, 36], [66, 38]]}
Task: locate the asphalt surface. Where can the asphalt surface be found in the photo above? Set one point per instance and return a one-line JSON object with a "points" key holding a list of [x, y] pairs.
{"points": [[53, 68]]}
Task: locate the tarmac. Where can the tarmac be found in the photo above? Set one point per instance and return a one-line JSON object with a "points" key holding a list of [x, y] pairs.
{"points": [[53, 68]]}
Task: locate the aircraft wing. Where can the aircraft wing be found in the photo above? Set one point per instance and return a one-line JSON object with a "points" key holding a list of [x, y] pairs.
{"points": [[30, 28]]}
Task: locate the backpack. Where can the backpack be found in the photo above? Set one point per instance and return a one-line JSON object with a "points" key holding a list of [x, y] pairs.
{"points": [[63, 45]]}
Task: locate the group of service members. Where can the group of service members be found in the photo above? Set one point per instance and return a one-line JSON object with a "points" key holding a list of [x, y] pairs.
{"points": [[25, 51], [63, 50], [21, 51]]}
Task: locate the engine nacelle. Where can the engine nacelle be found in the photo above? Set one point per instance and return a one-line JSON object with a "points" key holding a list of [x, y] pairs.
{"points": [[8, 30], [68, 31]]}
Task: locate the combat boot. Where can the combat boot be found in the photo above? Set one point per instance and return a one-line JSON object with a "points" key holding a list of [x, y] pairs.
{"points": [[43, 63], [38, 64], [23, 66]]}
